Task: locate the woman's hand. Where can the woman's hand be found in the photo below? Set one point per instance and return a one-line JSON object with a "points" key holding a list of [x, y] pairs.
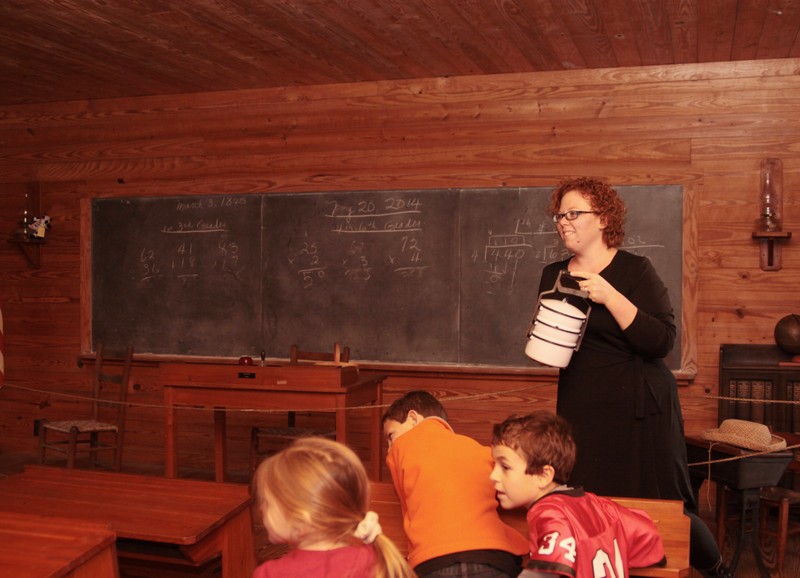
{"points": [[601, 291], [595, 286]]}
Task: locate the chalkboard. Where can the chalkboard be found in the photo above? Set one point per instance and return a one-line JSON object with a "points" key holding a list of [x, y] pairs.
{"points": [[177, 275], [444, 276], [377, 272]]}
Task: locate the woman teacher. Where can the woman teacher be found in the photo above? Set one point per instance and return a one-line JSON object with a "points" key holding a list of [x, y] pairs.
{"points": [[617, 392]]}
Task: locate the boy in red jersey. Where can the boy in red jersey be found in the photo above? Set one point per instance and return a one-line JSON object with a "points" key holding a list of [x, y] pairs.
{"points": [[449, 507], [572, 532]]}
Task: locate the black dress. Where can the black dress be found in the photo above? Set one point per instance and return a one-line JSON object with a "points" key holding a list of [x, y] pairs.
{"points": [[620, 397]]}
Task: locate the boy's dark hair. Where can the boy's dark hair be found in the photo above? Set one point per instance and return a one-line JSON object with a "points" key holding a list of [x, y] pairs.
{"points": [[420, 401], [542, 438]]}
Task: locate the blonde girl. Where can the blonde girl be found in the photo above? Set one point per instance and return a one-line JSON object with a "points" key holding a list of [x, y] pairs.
{"points": [[314, 496]]}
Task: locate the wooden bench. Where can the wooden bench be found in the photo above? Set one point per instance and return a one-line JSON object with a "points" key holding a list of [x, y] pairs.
{"points": [[672, 523]]}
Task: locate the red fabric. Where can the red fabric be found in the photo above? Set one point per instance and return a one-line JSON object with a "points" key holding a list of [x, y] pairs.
{"points": [[347, 562], [573, 533]]}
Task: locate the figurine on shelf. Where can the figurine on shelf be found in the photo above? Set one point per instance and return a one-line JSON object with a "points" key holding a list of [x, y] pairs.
{"points": [[39, 226]]}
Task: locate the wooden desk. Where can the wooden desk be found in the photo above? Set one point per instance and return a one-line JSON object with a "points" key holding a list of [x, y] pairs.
{"points": [[792, 439], [184, 522], [36, 546], [745, 476], [316, 387]]}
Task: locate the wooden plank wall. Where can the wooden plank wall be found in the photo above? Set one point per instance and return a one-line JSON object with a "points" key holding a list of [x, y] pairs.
{"points": [[705, 127]]}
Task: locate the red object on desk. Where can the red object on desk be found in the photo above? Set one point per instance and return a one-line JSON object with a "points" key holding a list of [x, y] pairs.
{"points": [[190, 521], [38, 546], [317, 387]]}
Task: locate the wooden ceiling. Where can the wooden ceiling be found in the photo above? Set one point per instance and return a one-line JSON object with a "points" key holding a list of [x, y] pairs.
{"points": [[57, 50]]}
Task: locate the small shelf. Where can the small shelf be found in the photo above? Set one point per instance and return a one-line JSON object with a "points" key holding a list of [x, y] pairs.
{"points": [[770, 251], [772, 235], [31, 248]]}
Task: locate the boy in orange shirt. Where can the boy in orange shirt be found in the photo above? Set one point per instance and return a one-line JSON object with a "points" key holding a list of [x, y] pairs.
{"points": [[449, 506]]}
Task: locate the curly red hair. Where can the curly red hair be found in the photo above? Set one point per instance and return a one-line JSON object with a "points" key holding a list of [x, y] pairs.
{"points": [[605, 201]]}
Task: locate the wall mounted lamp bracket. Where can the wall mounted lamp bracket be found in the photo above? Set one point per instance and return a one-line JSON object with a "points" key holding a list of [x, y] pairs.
{"points": [[31, 248], [770, 250], [769, 231]]}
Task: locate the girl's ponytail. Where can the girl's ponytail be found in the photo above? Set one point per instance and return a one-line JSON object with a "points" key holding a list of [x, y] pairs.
{"points": [[391, 563]]}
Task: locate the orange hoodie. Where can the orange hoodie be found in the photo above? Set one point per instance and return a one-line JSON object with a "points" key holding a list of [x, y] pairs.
{"points": [[448, 501]]}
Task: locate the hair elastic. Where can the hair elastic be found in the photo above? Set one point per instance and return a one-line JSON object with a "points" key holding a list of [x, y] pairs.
{"points": [[368, 528]]}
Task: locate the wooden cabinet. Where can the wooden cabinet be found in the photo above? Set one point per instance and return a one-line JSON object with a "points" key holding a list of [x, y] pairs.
{"points": [[754, 374]]}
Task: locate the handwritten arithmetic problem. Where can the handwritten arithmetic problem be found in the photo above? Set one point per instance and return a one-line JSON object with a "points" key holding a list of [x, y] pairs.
{"points": [[432, 276], [399, 221]]}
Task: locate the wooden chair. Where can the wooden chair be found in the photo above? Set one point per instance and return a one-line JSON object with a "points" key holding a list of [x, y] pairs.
{"points": [[104, 428], [770, 498], [782, 499], [268, 440]]}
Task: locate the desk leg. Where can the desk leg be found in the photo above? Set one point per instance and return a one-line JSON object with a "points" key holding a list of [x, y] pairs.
{"points": [[171, 459], [376, 435], [341, 419], [748, 530], [722, 512], [103, 563], [220, 445], [232, 540], [238, 551]]}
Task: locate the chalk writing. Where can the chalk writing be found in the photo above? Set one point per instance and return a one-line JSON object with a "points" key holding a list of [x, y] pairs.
{"points": [[209, 203], [149, 266], [228, 258], [356, 264], [639, 245], [198, 226], [503, 253], [183, 261], [307, 264], [397, 215], [393, 216]]}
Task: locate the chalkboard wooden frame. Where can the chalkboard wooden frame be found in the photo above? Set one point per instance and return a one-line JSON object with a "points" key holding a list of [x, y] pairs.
{"points": [[470, 234]]}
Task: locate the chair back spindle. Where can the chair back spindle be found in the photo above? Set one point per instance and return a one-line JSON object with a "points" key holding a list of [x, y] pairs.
{"points": [[103, 429]]}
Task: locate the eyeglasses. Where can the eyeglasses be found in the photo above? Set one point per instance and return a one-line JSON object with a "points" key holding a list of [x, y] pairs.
{"points": [[570, 215]]}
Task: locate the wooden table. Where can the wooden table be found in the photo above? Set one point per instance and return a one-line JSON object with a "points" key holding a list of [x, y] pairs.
{"points": [[186, 522], [744, 476], [37, 546], [317, 387]]}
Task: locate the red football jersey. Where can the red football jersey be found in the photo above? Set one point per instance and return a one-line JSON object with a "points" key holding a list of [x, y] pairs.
{"points": [[576, 533]]}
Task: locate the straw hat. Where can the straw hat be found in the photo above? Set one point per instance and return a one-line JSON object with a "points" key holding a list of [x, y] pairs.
{"points": [[745, 434]]}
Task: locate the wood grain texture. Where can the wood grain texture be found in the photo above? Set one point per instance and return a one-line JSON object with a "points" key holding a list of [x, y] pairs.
{"points": [[41, 546], [72, 51], [705, 127]]}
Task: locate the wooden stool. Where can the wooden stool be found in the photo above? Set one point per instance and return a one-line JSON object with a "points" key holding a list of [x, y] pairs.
{"points": [[783, 499]]}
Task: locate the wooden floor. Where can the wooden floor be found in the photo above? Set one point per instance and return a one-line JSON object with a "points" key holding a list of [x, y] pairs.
{"points": [[13, 463]]}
